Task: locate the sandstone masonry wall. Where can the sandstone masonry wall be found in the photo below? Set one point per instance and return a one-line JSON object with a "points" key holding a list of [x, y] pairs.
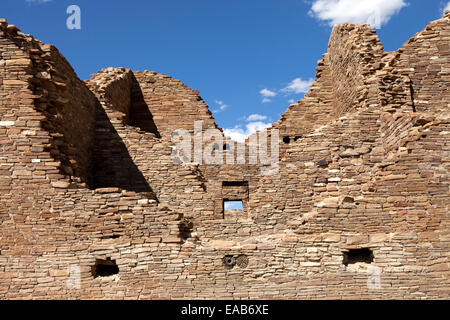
{"points": [[365, 171]]}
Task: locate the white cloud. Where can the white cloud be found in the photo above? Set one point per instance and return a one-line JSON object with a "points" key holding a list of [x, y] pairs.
{"points": [[236, 134], [267, 93], [222, 106], [239, 134], [39, 1], [256, 117], [252, 127], [373, 12], [298, 86], [291, 101]]}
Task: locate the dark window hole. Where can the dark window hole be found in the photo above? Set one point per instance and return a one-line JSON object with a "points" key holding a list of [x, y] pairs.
{"points": [[104, 268], [286, 140], [186, 226], [364, 255]]}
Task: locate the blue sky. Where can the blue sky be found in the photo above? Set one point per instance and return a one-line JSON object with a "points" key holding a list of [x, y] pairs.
{"points": [[247, 58]]}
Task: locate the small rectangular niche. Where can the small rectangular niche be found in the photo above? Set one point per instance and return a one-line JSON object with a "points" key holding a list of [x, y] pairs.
{"points": [[233, 205], [363, 255], [105, 268]]}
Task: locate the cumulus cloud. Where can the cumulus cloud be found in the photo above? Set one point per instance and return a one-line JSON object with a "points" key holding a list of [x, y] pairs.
{"points": [[252, 127], [239, 134], [236, 133], [267, 93], [373, 12], [256, 117], [298, 86]]}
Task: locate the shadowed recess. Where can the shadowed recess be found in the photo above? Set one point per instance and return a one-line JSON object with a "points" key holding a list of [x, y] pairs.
{"points": [[140, 115], [113, 165]]}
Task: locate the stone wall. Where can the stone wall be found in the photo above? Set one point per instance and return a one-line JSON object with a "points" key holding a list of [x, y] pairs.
{"points": [[172, 104], [354, 54], [342, 82], [424, 60], [88, 182], [58, 109]]}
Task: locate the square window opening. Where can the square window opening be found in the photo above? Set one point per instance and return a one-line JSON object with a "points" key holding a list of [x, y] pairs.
{"points": [[364, 255], [233, 205], [105, 268]]}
